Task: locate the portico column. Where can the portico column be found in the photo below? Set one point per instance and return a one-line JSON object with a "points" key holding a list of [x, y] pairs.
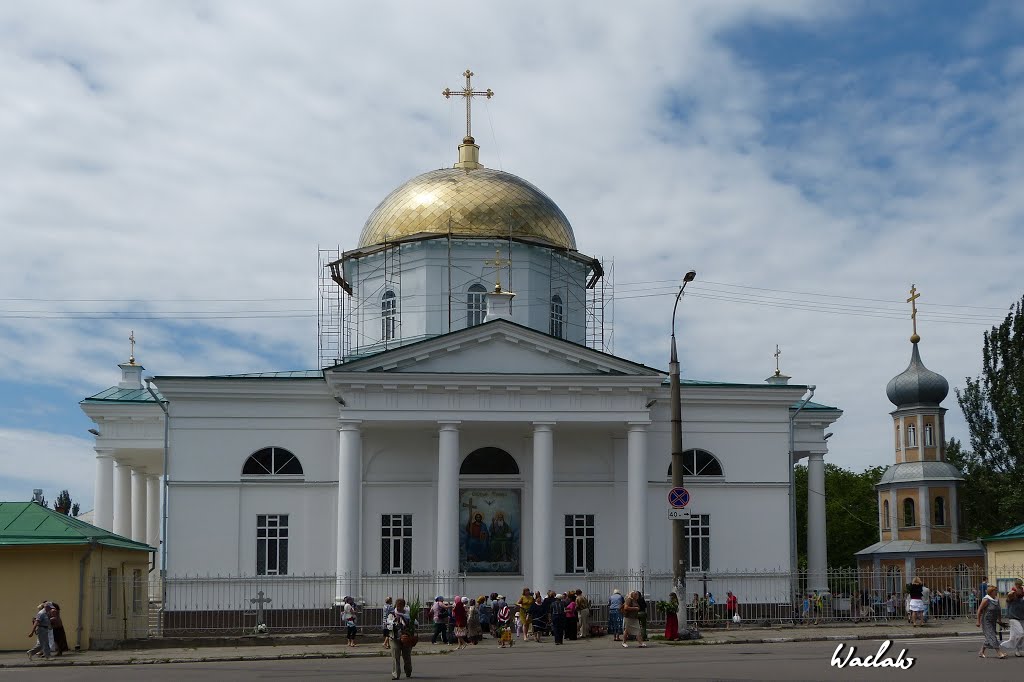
{"points": [[103, 490], [817, 552], [122, 499], [924, 519], [543, 485], [138, 504], [153, 510], [447, 560], [350, 460], [636, 497], [954, 516]]}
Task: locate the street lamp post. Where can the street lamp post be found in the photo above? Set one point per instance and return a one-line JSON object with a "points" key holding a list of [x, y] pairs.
{"points": [[680, 549]]}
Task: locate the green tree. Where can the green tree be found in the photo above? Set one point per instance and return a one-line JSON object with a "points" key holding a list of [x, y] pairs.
{"points": [[64, 504], [993, 406], [851, 512]]}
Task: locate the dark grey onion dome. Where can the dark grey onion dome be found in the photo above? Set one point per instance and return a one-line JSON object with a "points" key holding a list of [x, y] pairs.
{"points": [[917, 385]]}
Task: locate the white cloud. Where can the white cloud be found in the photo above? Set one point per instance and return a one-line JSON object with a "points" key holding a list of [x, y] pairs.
{"points": [[34, 459], [185, 151]]}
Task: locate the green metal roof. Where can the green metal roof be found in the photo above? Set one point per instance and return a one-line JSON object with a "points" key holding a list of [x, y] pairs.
{"points": [[124, 395], [24, 524], [1015, 533], [814, 406]]}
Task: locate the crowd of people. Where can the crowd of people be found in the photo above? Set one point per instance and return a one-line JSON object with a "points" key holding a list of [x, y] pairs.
{"points": [[48, 629]]}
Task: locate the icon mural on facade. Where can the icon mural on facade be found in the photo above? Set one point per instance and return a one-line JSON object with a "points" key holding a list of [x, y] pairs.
{"points": [[490, 524]]}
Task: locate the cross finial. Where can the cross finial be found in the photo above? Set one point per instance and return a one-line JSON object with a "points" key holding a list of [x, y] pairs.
{"points": [[498, 262], [914, 295], [777, 354], [131, 355], [469, 93]]}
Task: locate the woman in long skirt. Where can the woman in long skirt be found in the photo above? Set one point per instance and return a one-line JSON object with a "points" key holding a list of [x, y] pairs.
{"points": [[672, 618], [615, 603], [473, 621], [988, 617]]}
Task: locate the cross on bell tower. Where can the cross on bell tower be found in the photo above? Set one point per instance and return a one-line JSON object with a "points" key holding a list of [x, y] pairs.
{"points": [[469, 152]]}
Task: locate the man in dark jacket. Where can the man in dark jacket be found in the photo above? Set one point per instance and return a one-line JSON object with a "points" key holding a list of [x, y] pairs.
{"points": [[557, 615]]}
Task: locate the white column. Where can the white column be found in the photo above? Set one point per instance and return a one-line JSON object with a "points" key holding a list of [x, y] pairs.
{"points": [[817, 551], [924, 519], [894, 514], [122, 499], [138, 504], [153, 510], [350, 460], [636, 497], [103, 491], [954, 515], [447, 559], [543, 575]]}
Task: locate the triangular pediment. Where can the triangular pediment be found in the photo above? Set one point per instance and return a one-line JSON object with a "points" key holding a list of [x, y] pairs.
{"points": [[498, 347]]}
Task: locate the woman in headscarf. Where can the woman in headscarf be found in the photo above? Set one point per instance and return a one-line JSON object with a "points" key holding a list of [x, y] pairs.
{"points": [[672, 618], [461, 620], [474, 631]]}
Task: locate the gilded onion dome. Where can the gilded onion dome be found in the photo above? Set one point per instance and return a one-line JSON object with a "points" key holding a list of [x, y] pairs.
{"points": [[475, 201], [917, 385]]}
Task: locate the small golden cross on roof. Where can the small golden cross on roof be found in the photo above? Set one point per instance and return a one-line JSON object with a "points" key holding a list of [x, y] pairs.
{"points": [[498, 262], [914, 295], [131, 355], [469, 93], [777, 354]]}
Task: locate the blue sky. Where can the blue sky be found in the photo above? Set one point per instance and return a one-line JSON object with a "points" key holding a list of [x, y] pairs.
{"points": [[172, 169]]}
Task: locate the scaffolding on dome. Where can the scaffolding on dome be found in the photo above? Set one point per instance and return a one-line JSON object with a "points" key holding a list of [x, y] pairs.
{"points": [[345, 311]]}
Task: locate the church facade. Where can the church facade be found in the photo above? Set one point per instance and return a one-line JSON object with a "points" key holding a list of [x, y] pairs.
{"points": [[469, 429]]}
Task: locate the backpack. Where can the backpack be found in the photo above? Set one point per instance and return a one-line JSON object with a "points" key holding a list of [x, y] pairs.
{"points": [[443, 613], [504, 615]]}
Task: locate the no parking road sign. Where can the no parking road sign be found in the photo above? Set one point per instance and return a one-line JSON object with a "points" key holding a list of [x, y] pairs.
{"points": [[678, 498]]}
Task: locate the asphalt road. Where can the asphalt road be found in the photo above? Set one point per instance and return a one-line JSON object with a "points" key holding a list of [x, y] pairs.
{"points": [[935, 659]]}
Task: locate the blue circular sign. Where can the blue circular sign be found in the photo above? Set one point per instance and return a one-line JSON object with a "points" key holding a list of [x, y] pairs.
{"points": [[678, 498]]}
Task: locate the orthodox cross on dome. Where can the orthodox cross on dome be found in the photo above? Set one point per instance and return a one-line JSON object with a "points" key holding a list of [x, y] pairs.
{"points": [[469, 93], [777, 354], [914, 295], [498, 262], [131, 355]]}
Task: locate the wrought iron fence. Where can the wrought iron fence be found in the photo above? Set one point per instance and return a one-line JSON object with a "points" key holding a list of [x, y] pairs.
{"points": [[206, 605], [224, 605], [803, 597]]}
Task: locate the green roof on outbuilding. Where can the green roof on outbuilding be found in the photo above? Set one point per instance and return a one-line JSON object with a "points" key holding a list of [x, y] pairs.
{"points": [[1015, 533], [26, 524]]}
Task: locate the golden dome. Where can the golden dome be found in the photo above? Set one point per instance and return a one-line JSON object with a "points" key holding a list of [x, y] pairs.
{"points": [[481, 203]]}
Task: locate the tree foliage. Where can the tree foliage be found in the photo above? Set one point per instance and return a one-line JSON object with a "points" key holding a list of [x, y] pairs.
{"points": [[851, 512], [993, 406], [65, 505]]}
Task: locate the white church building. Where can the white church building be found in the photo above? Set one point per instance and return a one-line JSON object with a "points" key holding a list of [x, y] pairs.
{"points": [[467, 425]]}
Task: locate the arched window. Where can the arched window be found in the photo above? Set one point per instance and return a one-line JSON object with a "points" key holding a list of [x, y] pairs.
{"points": [[929, 435], [911, 435], [489, 461], [894, 581], [476, 305], [699, 463], [272, 462], [909, 518], [557, 315], [940, 511], [388, 314], [885, 515]]}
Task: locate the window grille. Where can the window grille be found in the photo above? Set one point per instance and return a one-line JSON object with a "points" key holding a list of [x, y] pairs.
{"points": [[699, 536], [579, 543], [557, 316], [476, 305], [272, 544], [272, 461], [388, 315], [395, 544]]}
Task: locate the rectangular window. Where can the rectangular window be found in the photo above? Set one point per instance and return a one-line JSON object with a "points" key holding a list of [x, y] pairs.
{"points": [[579, 543], [272, 544], [137, 587], [395, 543], [111, 575], [699, 536]]}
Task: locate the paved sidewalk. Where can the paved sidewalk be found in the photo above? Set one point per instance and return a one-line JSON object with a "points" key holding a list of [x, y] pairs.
{"points": [[311, 650]]}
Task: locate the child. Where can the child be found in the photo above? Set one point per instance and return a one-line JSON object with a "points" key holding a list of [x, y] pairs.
{"points": [[520, 630]]}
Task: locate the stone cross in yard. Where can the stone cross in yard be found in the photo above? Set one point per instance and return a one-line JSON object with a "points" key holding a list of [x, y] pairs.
{"points": [[259, 600]]}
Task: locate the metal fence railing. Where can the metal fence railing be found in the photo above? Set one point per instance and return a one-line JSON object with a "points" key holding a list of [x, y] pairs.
{"points": [[202, 605], [223, 605], [802, 597]]}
